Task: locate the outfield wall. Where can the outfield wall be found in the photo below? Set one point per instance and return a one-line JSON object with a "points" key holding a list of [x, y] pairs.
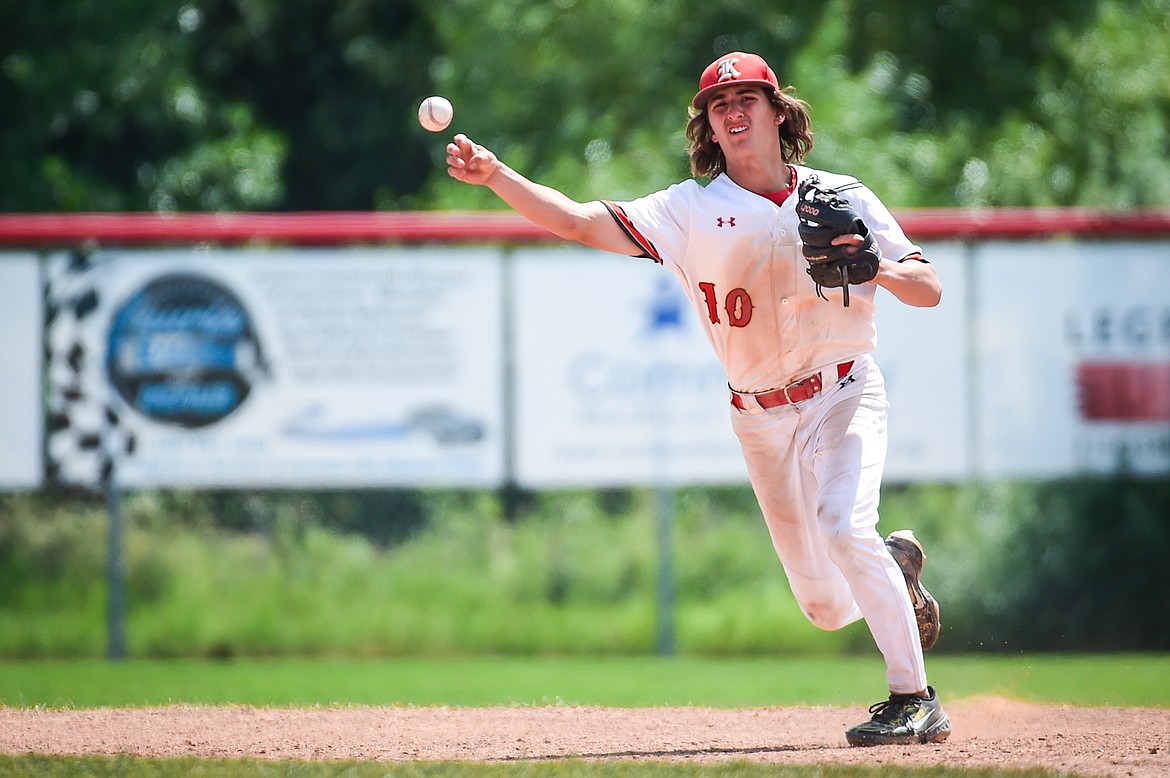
{"points": [[354, 350]]}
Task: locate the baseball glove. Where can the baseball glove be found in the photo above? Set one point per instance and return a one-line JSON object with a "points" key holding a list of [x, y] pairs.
{"points": [[824, 214]]}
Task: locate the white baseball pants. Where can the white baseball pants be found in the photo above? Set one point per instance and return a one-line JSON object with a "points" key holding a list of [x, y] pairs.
{"points": [[816, 469]]}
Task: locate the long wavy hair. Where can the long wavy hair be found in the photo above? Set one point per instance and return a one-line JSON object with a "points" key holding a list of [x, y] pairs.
{"points": [[796, 136]]}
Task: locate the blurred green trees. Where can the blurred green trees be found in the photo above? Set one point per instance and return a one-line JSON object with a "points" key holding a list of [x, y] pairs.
{"points": [[215, 105], [309, 104]]}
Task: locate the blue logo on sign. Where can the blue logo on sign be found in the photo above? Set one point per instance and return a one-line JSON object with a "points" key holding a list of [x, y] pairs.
{"points": [[183, 351], [666, 308]]}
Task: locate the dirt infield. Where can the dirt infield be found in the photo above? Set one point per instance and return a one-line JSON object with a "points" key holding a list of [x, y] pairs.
{"points": [[989, 732]]}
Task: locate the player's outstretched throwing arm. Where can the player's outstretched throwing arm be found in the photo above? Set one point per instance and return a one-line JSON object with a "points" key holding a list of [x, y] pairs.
{"points": [[589, 224]]}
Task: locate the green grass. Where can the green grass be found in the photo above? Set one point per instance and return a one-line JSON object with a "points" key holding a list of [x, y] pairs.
{"points": [[1117, 680]]}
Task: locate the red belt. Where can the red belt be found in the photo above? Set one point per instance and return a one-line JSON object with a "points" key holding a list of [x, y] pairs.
{"points": [[798, 391]]}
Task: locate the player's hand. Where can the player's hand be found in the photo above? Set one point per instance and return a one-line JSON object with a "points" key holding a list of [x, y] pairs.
{"points": [[851, 242], [469, 162]]}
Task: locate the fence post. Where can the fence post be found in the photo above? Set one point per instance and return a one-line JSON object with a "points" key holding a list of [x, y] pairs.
{"points": [[664, 503], [115, 573]]}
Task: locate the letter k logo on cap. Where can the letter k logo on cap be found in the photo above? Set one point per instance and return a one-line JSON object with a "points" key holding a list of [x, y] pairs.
{"points": [[727, 69]]}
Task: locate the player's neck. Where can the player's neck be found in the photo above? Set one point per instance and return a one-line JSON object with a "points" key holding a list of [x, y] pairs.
{"points": [[757, 175]]}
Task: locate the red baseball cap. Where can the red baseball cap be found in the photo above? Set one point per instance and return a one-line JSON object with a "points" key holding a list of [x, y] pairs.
{"points": [[734, 68]]}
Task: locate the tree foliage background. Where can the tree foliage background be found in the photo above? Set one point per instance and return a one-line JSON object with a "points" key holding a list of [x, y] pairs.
{"points": [[207, 105], [309, 104]]}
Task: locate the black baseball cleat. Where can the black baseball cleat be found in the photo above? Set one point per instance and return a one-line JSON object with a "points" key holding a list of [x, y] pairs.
{"points": [[903, 719], [908, 553]]}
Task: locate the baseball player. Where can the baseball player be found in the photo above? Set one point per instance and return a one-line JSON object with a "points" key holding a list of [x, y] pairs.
{"points": [[781, 263]]}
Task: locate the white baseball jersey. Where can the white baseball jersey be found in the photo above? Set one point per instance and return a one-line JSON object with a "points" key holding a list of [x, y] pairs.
{"points": [[738, 257], [816, 467]]}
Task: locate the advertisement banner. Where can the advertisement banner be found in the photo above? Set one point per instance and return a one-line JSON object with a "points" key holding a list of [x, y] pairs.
{"points": [[1073, 358], [924, 356], [615, 383], [556, 366], [302, 368], [22, 318]]}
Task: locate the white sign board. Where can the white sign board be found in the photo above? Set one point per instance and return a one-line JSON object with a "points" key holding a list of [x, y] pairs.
{"points": [[21, 416], [553, 366], [615, 383], [923, 355], [299, 368], [1072, 362]]}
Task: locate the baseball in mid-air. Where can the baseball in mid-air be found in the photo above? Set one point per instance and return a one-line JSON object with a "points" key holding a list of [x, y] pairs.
{"points": [[435, 113]]}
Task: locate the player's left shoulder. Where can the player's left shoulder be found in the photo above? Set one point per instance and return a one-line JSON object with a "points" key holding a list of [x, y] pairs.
{"points": [[853, 189], [842, 183]]}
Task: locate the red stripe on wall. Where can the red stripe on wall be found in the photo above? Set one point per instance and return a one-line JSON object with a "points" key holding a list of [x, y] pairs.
{"points": [[342, 227]]}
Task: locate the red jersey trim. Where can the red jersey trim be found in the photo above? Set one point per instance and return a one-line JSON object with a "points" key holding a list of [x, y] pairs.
{"points": [[783, 194], [639, 240]]}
